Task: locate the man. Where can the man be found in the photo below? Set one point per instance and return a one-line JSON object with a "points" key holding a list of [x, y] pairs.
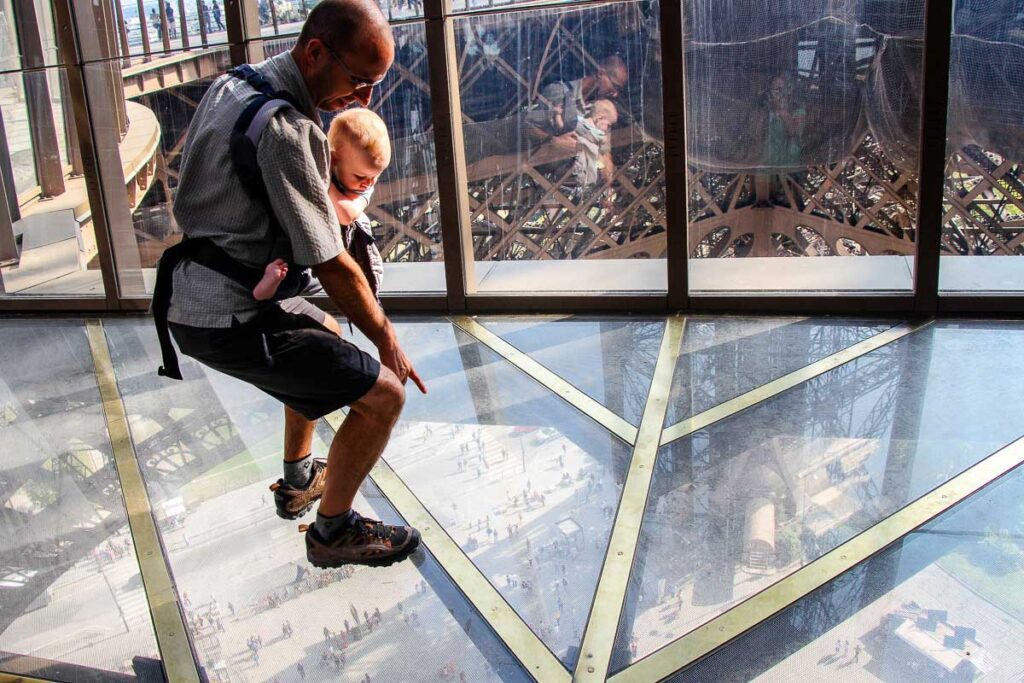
{"points": [[154, 19], [291, 349], [216, 15], [563, 103]]}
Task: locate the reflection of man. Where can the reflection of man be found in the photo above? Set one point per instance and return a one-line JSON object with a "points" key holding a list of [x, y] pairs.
{"points": [[290, 349], [562, 104]]}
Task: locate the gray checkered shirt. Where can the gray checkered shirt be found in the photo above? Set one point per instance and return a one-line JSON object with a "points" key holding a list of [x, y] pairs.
{"points": [[210, 201]]}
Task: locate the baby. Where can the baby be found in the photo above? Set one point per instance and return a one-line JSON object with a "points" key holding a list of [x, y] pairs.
{"points": [[593, 144], [360, 151]]}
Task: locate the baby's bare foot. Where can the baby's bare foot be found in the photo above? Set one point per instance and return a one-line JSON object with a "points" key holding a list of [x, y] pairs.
{"points": [[275, 272]]}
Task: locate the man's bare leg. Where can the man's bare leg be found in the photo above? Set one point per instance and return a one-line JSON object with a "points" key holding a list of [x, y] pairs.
{"points": [[298, 435], [360, 441]]}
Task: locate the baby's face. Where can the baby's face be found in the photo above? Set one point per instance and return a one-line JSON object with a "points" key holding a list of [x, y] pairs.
{"points": [[355, 169], [604, 121]]}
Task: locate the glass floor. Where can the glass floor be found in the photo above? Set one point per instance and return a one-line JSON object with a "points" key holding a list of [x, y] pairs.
{"points": [[601, 498]]}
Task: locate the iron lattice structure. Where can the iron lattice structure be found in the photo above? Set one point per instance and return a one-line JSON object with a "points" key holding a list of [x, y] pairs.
{"points": [[525, 206]]}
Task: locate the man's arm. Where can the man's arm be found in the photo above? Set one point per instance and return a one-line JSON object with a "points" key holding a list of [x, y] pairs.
{"points": [[347, 287], [294, 158], [347, 206]]}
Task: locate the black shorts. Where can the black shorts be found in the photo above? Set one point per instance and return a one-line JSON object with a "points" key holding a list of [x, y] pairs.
{"points": [[289, 355]]}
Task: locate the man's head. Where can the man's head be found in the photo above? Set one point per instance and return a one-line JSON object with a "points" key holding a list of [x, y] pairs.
{"points": [[612, 76], [604, 115], [360, 148], [345, 48]]}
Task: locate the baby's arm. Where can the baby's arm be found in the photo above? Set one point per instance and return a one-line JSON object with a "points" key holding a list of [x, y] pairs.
{"points": [[347, 205]]}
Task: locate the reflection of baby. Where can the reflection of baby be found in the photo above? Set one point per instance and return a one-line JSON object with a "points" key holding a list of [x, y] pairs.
{"points": [[592, 141], [360, 151]]}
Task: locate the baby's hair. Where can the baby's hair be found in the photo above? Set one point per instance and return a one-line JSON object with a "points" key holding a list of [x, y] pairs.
{"points": [[606, 107], [365, 130]]}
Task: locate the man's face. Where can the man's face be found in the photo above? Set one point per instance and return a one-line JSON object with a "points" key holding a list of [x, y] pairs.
{"points": [[339, 79], [610, 82]]}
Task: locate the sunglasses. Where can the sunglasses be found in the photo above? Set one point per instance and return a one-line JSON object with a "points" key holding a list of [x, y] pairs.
{"points": [[359, 82]]}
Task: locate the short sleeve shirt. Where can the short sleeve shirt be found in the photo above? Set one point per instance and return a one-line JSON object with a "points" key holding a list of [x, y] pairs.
{"points": [[210, 201]]}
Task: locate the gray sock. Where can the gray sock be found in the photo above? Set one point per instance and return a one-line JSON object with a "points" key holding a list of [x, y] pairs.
{"points": [[298, 473], [330, 527]]}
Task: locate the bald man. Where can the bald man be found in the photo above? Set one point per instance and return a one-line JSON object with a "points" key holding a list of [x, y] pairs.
{"points": [[291, 349]]}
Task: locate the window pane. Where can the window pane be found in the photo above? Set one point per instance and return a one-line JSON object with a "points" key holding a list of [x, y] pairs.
{"points": [[945, 602], [404, 208], [141, 26], [159, 109], [562, 126], [403, 212], [802, 129], [471, 5], [47, 238], [70, 588], [286, 17], [984, 207]]}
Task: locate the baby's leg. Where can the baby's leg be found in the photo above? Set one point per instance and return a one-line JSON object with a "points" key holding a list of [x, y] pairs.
{"points": [[275, 272]]}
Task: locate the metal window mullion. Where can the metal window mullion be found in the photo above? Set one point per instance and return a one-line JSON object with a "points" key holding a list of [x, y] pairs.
{"points": [[165, 28], [183, 20], [453, 193], [932, 153], [41, 126], [241, 18], [144, 30], [93, 106], [673, 77]]}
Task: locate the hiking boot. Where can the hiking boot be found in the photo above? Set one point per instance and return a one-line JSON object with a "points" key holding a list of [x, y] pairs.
{"points": [[292, 502], [363, 541]]}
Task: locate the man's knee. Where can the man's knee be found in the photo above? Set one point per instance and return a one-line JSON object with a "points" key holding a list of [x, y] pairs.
{"points": [[385, 399]]}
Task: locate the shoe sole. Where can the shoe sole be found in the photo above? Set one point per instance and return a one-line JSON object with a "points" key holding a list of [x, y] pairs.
{"points": [[284, 514], [373, 562]]}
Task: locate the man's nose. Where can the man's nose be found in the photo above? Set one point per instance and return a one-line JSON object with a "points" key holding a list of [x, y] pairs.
{"points": [[363, 95]]}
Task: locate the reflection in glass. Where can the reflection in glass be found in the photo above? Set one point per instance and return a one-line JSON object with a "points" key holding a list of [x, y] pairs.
{"points": [[209, 447], [48, 241], [945, 603], [70, 588], [723, 357], [737, 506], [802, 124], [984, 207], [562, 127], [611, 360]]}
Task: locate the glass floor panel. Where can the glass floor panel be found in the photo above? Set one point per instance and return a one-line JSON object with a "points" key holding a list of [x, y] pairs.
{"points": [[527, 485], [723, 357], [736, 506], [70, 587], [209, 447], [522, 481], [946, 603], [609, 359]]}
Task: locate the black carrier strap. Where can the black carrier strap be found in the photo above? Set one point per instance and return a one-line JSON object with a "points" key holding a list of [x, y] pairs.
{"points": [[244, 143]]}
